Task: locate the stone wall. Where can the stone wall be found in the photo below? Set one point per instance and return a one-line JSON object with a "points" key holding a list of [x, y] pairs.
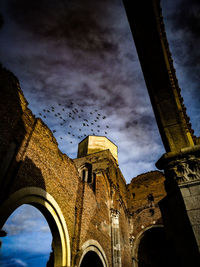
{"points": [[99, 208]]}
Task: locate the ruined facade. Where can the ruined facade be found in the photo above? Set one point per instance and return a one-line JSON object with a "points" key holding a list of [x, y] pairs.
{"points": [[98, 212], [96, 219]]}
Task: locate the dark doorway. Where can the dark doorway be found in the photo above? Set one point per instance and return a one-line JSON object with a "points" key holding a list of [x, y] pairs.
{"points": [[91, 259], [155, 251]]}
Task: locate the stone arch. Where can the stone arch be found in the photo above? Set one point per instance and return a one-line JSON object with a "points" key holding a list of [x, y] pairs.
{"points": [[47, 205], [137, 242], [85, 172], [152, 249], [92, 246]]}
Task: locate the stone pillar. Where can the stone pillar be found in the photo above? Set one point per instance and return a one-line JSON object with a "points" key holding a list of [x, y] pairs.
{"points": [[181, 207], [115, 237]]}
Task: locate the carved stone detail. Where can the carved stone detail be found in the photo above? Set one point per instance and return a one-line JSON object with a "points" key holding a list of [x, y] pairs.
{"points": [[114, 213], [184, 170], [131, 239]]}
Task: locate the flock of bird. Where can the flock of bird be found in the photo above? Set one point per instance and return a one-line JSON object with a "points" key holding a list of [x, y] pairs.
{"points": [[75, 121]]}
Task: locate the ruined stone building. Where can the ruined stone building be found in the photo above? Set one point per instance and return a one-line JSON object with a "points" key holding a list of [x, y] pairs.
{"points": [[95, 218]]}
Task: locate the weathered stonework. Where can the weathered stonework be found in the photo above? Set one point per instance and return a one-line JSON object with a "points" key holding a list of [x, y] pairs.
{"points": [[184, 170], [89, 193], [82, 198]]}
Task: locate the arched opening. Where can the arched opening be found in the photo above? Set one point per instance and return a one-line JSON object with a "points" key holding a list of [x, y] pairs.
{"points": [[91, 259], [155, 251], [92, 255], [28, 240], [47, 205]]}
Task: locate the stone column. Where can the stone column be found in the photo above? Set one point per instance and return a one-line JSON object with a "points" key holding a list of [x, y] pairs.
{"points": [[115, 237], [181, 207]]}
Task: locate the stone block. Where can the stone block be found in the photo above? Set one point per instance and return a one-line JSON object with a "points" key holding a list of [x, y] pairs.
{"points": [[194, 216], [185, 191], [192, 202], [195, 189]]}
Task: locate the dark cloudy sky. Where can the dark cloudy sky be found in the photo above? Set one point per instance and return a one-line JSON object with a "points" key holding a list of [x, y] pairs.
{"points": [[66, 51], [81, 55]]}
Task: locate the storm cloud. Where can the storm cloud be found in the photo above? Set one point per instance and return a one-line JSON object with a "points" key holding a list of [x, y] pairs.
{"points": [[84, 52]]}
